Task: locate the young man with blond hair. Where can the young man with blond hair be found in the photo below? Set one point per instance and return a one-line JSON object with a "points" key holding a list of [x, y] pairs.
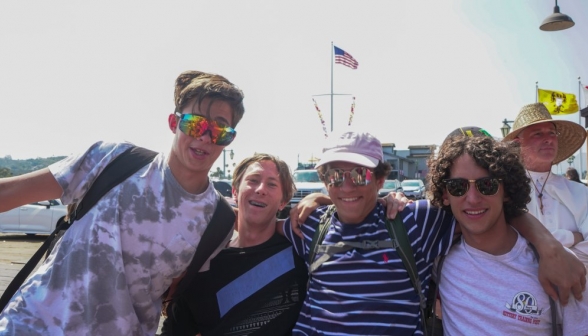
{"points": [[256, 285]]}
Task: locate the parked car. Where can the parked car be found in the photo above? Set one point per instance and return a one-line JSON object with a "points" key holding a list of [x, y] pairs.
{"points": [[390, 186], [307, 181], [224, 187], [414, 189], [35, 218]]}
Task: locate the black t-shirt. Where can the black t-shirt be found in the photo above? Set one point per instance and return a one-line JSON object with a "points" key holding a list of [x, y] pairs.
{"points": [[257, 290]]}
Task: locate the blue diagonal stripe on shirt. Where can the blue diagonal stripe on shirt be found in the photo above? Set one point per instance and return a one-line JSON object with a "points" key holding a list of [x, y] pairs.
{"points": [[254, 280]]}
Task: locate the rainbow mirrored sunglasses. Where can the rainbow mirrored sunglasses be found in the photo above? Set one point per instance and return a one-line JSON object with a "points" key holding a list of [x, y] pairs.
{"points": [[360, 176], [196, 126]]}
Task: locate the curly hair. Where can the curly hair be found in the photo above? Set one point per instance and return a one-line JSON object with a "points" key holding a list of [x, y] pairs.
{"points": [[502, 160]]}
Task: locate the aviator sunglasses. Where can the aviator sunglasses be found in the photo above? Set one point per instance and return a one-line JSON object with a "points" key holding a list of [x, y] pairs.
{"points": [[196, 126], [360, 176], [458, 187]]}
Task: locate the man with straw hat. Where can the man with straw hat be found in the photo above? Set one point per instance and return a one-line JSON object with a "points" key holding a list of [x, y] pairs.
{"points": [[561, 205]]}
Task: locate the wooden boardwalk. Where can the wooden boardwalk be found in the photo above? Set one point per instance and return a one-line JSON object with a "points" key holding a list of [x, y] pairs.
{"points": [[15, 251]]}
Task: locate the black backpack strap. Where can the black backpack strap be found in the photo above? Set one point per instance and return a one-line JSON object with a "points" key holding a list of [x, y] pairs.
{"points": [[553, 307], [397, 232], [221, 224], [318, 237], [121, 168]]}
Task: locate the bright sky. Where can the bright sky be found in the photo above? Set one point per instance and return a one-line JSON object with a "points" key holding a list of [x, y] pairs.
{"points": [[75, 72]]}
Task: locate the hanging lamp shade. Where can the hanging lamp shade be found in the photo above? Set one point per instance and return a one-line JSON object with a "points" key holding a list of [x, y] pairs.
{"points": [[556, 21]]}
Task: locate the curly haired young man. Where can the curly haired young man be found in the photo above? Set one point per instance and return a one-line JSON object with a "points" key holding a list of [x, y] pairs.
{"points": [[488, 282]]}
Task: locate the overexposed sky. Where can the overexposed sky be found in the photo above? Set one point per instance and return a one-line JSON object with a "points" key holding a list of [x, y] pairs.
{"points": [[72, 73]]}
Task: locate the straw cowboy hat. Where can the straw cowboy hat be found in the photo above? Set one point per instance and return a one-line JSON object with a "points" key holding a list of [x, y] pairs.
{"points": [[571, 135]]}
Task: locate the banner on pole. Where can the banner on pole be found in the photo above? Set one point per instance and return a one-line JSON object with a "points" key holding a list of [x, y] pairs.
{"points": [[557, 102]]}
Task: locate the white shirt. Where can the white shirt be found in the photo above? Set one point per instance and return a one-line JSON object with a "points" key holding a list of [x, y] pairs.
{"points": [[484, 294], [107, 274], [565, 207]]}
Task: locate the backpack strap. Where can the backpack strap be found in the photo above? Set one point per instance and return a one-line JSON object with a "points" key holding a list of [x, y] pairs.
{"points": [[121, 168], [399, 240], [397, 232], [220, 225], [319, 236], [553, 307]]}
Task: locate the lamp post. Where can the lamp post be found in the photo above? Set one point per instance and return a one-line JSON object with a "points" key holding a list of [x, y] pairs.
{"points": [[231, 155], [505, 129], [556, 21], [571, 160]]}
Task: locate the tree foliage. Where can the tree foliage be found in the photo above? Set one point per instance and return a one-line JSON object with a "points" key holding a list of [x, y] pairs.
{"points": [[5, 172], [19, 167]]}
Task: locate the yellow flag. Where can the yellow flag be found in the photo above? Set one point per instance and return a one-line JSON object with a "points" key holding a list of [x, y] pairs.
{"points": [[558, 102]]}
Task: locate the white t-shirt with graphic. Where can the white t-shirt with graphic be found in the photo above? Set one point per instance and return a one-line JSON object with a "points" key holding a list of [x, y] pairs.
{"points": [[108, 273], [484, 294]]}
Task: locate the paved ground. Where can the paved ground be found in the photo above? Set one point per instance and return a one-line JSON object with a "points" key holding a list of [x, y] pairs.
{"points": [[15, 251]]}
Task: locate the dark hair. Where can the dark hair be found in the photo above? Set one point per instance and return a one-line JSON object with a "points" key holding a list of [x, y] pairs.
{"points": [[288, 187], [502, 160], [199, 85], [382, 170], [572, 174]]}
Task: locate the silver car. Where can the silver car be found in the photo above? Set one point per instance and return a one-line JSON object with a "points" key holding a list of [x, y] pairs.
{"points": [[390, 186], [40, 217], [414, 189]]}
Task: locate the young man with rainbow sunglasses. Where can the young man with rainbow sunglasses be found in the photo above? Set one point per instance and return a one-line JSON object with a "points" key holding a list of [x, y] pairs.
{"points": [[106, 276], [366, 290], [484, 184]]}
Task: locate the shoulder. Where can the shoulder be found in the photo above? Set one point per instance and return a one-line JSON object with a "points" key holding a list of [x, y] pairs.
{"points": [[315, 217], [420, 210]]}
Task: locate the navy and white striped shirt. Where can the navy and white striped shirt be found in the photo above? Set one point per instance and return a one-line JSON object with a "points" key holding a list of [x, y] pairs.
{"points": [[369, 292]]}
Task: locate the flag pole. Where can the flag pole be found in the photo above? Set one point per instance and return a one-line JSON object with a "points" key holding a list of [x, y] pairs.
{"points": [[332, 57], [580, 123], [536, 92]]}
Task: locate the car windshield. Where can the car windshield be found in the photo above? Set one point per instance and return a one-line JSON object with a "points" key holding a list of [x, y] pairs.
{"points": [[306, 176], [411, 184], [389, 185]]}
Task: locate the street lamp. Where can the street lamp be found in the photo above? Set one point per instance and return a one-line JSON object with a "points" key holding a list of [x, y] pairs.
{"points": [[231, 155], [505, 129], [556, 21], [571, 160]]}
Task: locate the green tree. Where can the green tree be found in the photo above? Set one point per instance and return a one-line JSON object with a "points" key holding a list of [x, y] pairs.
{"points": [[218, 173], [5, 172]]}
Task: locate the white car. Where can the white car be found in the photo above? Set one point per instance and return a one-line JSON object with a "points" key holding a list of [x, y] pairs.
{"points": [[413, 189], [35, 218]]}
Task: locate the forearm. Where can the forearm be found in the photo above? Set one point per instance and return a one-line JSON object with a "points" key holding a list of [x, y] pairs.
{"points": [[532, 229], [36, 186]]}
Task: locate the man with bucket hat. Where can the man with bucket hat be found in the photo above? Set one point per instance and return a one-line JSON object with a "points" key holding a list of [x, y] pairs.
{"points": [[560, 204]]}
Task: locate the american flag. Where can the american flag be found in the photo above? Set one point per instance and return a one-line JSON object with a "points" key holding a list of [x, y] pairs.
{"points": [[343, 57]]}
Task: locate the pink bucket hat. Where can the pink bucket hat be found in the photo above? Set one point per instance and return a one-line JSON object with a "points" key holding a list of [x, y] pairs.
{"points": [[360, 148]]}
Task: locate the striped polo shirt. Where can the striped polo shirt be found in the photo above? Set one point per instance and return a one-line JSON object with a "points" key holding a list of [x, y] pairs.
{"points": [[369, 292]]}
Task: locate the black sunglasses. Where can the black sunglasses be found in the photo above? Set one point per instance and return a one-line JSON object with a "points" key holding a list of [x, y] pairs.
{"points": [[458, 187]]}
